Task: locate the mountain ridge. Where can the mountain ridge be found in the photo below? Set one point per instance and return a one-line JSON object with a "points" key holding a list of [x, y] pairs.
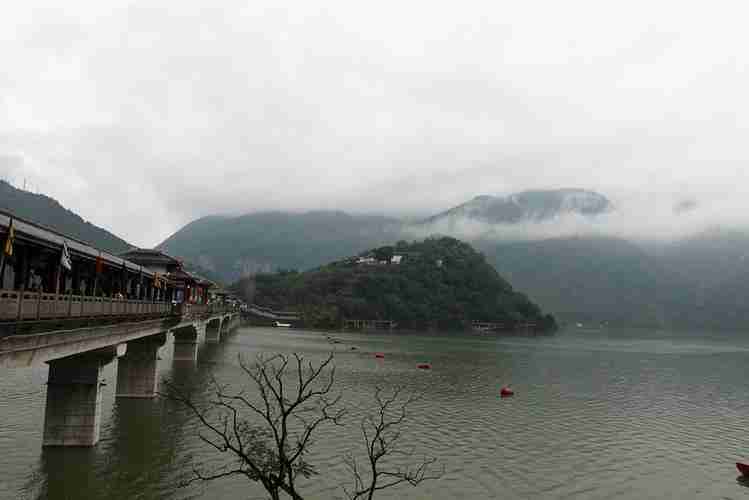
{"points": [[47, 211], [532, 205]]}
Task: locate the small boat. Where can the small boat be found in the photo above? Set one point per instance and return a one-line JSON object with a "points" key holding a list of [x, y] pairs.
{"points": [[282, 325], [743, 468], [424, 366], [506, 392], [379, 355]]}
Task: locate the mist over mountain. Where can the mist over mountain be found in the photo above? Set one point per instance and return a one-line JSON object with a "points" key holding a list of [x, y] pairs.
{"points": [[649, 220], [264, 242], [579, 254], [533, 206]]}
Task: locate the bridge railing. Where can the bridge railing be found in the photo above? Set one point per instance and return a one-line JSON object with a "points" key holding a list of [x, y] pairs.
{"points": [[18, 305], [265, 312]]}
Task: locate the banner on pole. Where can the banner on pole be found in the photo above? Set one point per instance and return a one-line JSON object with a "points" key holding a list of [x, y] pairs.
{"points": [[65, 257], [8, 248]]}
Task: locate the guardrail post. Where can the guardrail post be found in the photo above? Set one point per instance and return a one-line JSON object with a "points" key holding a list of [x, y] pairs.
{"points": [[39, 304]]}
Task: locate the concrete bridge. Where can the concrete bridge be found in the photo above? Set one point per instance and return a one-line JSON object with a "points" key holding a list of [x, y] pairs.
{"points": [[77, 356], [77, 308]]}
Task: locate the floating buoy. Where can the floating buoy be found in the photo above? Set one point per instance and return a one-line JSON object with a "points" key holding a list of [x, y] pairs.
{"points": [[506, 392], [379, 355], [424, 366]]}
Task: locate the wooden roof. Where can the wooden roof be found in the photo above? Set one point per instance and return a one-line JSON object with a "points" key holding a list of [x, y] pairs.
{"points": [[148, 256], [30, 232]]}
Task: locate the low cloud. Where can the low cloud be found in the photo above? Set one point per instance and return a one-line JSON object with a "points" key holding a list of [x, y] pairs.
{"points": [[638, 218], [143, 116]]}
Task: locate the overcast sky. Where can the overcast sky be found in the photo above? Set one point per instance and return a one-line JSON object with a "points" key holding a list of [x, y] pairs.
{"points": [[142, 116]]}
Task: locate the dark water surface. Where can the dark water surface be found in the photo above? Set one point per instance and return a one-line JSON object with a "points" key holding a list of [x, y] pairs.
{"points": [[628, 415]]}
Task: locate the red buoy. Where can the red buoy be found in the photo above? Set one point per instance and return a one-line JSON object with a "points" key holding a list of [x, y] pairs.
{"points": [[424, 366], [506, 392], [379, 355]]}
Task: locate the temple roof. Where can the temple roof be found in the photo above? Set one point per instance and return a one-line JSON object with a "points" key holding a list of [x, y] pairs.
{"points": [[148, 256]]}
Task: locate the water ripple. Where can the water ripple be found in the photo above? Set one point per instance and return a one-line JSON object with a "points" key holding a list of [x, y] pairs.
{"points": [[592, 418]]}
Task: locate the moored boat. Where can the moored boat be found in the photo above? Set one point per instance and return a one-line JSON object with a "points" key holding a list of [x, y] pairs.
{"points": [[283, 325]]}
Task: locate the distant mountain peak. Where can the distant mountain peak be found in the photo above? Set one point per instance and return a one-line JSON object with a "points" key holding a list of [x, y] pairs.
{"points": [[536, 206]]}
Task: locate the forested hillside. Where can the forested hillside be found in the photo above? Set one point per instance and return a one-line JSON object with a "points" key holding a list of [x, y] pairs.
{"points": [[48, 211], [440, 282], [594, 280], [233, 247]]}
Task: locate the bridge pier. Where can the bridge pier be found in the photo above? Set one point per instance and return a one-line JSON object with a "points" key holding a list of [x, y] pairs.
{"points": [[73, 413], [213, 331], [229, 323], [186, 343], [137, 375]]}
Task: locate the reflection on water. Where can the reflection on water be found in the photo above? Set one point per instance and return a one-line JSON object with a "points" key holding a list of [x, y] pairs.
{"points": [[595, 416]]}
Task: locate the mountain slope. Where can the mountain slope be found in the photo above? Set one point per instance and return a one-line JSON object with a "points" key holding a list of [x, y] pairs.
{"points": [[263, 242], [593, 279], [47, 211], [442, 283], [709, 257], [691, 282]]}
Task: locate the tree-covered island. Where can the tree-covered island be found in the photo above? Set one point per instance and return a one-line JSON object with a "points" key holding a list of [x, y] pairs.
{"points": [[439, 283]]}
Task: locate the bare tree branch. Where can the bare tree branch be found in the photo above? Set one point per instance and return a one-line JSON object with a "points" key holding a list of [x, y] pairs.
{"points": [[381, 434], [268, 431]]}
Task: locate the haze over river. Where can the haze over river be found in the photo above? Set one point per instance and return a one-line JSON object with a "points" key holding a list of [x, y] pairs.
{"points": [[596, 415]]}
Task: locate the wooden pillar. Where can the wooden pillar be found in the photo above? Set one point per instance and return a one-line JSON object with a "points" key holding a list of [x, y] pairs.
{"points": [[75, 285], [25, 267], [95, 285], [58, 278]]}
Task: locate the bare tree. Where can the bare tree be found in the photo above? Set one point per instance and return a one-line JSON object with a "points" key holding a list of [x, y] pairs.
{"points": [[268, 431], [388, 463]]}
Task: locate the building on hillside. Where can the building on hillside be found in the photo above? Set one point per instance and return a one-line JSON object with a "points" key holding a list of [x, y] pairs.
{"points": [[396, 259]]}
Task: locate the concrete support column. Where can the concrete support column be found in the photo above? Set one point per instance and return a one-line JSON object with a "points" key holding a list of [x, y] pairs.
{"points": [[213, 331], [186, 344], [137, 374], [73, 413], [232, 323]]}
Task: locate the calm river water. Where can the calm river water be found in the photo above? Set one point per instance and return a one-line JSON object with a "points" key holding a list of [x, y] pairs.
{"points": [[596, 415]]}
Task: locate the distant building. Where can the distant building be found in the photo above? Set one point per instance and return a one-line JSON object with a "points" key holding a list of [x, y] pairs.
{"points": [[396, 259], [187, 286], [155, 260]]}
